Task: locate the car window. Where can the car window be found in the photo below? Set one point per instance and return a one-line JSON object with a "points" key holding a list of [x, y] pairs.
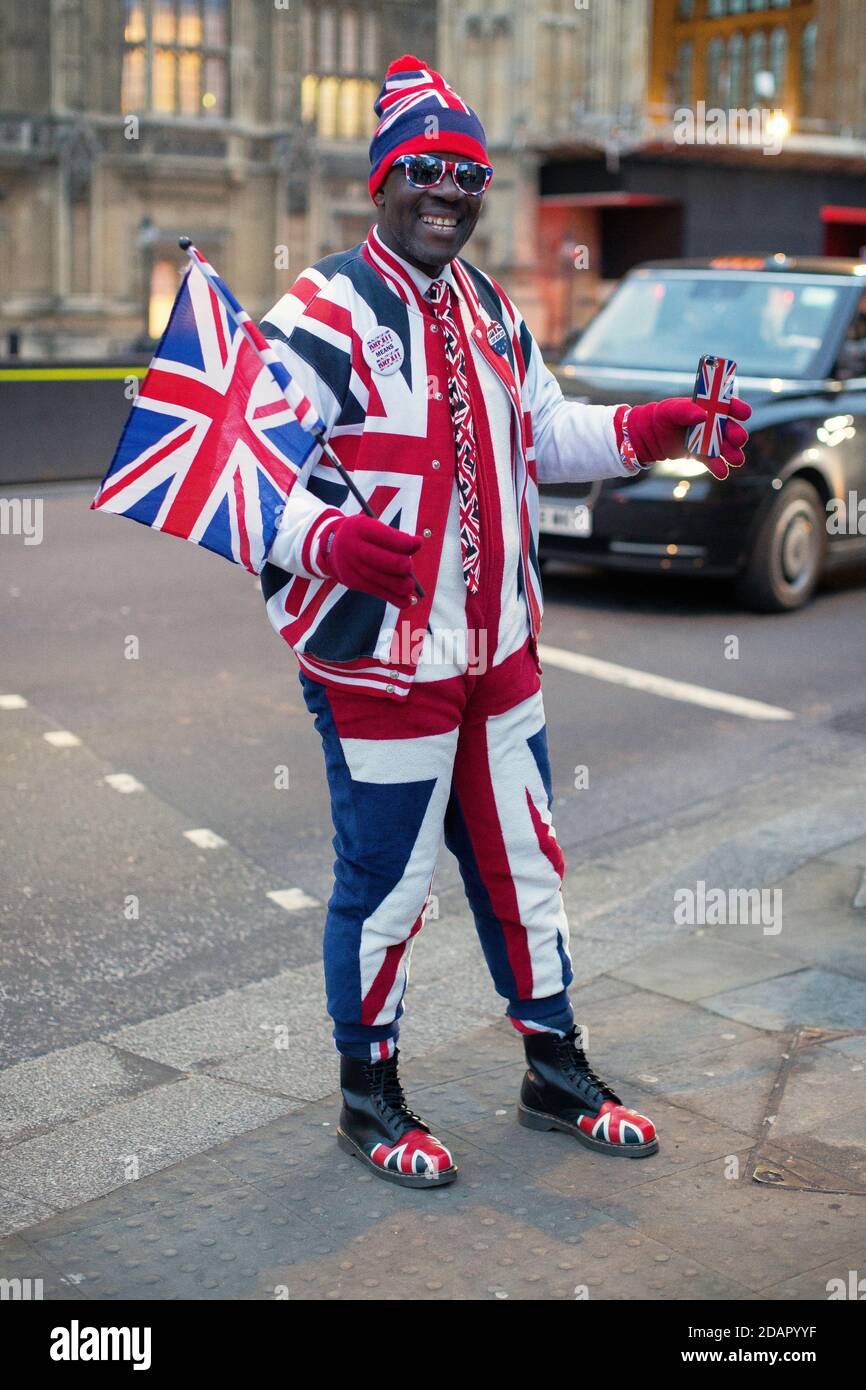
{"points": [[851, 361], [771, 325]]}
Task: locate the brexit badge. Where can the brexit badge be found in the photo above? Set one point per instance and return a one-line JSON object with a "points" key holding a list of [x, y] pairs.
{"points": [[383, 351]]}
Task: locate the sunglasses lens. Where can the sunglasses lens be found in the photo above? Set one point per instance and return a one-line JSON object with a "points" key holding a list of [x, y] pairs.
{"points": [[471, 178], [424, 170]]}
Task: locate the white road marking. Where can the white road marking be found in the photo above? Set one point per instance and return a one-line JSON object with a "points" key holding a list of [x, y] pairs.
{"points": [[12, 702], [124, 782], [62, 738], [292, 899], [860, 895], [205, 839], [661, 685]]}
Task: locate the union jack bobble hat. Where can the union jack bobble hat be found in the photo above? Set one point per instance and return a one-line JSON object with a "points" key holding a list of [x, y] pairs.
{"points": [[420, 114]]}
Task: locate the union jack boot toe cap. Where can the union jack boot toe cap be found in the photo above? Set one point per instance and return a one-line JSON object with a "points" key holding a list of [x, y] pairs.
{"points": [[616, 1124], [417, 1152]]}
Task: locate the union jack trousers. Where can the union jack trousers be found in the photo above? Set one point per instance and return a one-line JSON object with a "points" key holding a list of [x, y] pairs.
{"points": [[467, 755]]}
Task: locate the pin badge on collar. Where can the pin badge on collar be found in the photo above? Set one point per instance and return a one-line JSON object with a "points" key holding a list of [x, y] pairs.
{"points": [[497, 338]]}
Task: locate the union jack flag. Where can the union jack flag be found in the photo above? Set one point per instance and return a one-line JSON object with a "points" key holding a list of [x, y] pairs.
{"points": [[218, 432], [714, 387]]}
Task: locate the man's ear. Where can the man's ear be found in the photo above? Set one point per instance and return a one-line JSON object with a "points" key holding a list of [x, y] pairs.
{"points": [[379, 198]]}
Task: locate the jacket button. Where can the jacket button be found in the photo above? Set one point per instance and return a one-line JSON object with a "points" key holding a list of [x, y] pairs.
{"points": [[436, 464], [434, 328], [414, 598], [389, 689], [426, 531]]}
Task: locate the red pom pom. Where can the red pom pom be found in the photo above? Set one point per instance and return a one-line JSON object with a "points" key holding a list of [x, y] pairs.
{"points": [[408, 63]]}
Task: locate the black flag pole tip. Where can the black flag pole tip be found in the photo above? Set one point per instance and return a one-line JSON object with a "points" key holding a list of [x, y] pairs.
{"points": [[184, 242]]}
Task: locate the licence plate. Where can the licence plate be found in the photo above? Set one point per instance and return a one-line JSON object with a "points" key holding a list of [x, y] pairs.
{"points": [[565, 518]]}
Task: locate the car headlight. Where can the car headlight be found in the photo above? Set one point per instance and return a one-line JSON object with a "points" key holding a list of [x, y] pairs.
{"points": [[679, 468]]}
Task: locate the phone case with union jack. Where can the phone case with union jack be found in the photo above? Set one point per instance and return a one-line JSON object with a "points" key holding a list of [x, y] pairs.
{"points": [[714, 388]]}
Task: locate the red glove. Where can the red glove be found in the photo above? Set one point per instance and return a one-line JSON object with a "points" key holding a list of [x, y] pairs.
{"points": [[657, 431], [366, 554]]}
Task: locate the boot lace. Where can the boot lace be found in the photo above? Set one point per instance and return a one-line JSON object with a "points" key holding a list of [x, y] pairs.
{"points": [[575, 1064], [387, 1093]]}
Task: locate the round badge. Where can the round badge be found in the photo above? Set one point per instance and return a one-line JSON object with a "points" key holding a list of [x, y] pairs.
{"points": [[497, 338], [383, 351]]}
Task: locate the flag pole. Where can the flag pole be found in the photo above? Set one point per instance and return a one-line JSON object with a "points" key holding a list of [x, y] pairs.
{"points": [[259, 342]]}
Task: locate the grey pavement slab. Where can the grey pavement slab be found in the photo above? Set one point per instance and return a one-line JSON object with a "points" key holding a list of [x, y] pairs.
{"points": [[17, 1212], [730, 1083], [209, 1246], [30, 1276], [821, 1116], [643, 1032], [94, 1155], [696, 965], [306, 1073], [746, 1232], [853, 1046], [820, 998], [850, 852], [68, 1084], [290, 1003], [839, 1279], [819, 922]]}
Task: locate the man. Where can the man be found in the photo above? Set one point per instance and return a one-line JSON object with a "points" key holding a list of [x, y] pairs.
{"points": [[416, 629]]}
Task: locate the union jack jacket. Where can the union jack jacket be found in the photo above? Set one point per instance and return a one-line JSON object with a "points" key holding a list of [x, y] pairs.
{"points": [[364, 346]]}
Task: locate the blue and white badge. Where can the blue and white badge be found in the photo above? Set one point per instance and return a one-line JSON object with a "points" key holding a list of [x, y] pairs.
{"points": [[497, 338], [383, 351]]}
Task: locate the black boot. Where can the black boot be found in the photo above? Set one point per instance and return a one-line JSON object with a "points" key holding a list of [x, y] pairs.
{"points": [[377, 1126], [560, 1091]]}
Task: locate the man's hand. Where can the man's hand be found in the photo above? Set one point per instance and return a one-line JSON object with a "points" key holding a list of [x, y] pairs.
{"points": [[657, 431], [366, 554]]}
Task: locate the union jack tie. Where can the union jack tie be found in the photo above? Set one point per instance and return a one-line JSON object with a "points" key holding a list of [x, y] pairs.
{"points": [[441, 296]]}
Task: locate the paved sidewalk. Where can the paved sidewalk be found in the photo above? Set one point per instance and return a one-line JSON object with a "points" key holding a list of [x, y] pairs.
{"points": [[703, 1030]]}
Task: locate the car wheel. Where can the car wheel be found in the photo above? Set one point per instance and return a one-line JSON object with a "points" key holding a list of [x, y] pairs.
{"points": [[788, 554]]}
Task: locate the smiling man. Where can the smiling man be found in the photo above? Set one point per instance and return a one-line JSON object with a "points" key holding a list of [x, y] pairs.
{"points": [[416, 629]]}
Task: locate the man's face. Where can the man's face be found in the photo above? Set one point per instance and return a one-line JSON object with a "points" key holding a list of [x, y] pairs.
{"points": [[408, 218]]}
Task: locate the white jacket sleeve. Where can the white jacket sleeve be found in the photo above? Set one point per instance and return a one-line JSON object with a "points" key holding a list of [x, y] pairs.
{"points": [[573, 443], [304, 515]]}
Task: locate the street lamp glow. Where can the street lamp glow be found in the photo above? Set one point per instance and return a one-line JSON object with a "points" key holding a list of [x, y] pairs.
{"points": [[778, 125]]}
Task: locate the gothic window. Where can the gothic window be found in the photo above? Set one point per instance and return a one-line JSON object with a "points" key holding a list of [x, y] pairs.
{"points": [[778, 61], [807, 69], [683, 82], [715, 96], [175, 58], [341, 62], [736, 70]]}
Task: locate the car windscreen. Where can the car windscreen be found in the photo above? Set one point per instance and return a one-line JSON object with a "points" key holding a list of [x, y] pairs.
{"points": [[771, 325]]}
